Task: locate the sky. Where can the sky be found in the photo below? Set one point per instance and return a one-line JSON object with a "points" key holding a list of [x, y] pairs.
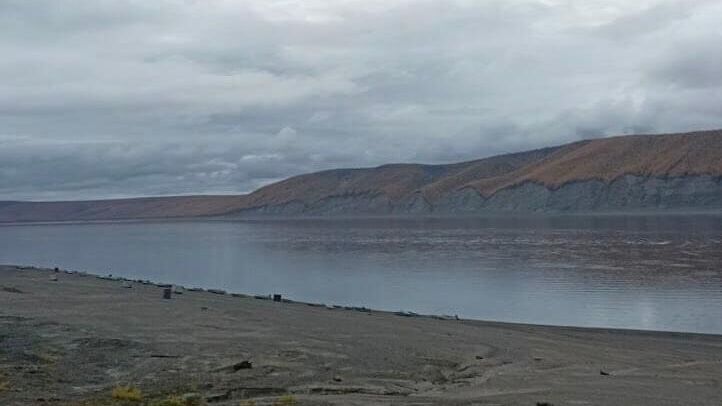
{"points": [[124, 98]]}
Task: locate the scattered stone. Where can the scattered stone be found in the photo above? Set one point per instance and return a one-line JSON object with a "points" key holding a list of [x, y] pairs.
{"points": [[195, 289], [603, 372], [434, 374], [127, 285], [164, 285], [56, 269], [479, 357], [167, 293], [218, 397], [204, 308], [50, 399], [276, 297], [217, 291], [261, 297], [164, 356], [10, 289], [235, 367], [538, 358], [53, 278], [544, 404], [406, 314], [337, 379], [242, 365]]}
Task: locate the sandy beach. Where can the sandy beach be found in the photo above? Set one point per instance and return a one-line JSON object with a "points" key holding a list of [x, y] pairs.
{"points": [[71, 338]]}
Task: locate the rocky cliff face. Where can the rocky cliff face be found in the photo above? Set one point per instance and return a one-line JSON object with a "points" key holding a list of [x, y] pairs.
{"points": [[633, 193], [624, 193]]}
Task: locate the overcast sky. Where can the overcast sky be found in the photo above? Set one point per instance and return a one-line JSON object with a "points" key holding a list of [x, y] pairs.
{"points": [[104, 99]]}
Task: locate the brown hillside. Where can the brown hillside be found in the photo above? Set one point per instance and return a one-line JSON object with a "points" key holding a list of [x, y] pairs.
{"points": [[488, 168], [393, 181], [606, 159]]}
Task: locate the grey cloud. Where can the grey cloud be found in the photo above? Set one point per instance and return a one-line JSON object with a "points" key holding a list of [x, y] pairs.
{"points": [[696, 65], [129, 98]]}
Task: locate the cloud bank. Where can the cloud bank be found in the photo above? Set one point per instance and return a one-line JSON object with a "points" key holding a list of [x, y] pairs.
{"points": [[104, 99]]}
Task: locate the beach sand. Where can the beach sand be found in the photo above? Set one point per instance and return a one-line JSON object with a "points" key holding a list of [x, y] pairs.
{"points": [[72, 340]]}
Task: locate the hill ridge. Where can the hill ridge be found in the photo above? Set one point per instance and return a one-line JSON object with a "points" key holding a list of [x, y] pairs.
{"points": [[645, 171]]}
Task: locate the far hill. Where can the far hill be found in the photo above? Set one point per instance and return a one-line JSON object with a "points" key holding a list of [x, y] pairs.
{"points": [[119, 209], [636, 172]]}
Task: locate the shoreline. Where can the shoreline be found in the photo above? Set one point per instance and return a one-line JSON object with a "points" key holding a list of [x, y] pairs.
{"points": [[712, 212], [362, 309], [75, 338]]}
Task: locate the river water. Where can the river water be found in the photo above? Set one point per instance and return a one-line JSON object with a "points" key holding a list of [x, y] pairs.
{"points": [[635, 271]]}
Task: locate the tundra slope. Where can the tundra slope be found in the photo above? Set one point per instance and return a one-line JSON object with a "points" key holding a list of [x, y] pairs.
{"points": [[643, 172], [637, 172]]}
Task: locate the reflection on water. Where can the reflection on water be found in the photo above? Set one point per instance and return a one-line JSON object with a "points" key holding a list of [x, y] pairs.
{"points": [[648, 272]]}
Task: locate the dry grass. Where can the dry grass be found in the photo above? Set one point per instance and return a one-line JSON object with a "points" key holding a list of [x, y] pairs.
{"points": [[127, 393], [286, 400], [174, 400]]}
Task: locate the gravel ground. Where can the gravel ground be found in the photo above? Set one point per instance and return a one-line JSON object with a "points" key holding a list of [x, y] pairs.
{"points": [[72, 340]]}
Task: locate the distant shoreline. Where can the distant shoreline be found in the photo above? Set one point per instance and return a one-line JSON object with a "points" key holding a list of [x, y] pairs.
{"points": [[490, 215]]}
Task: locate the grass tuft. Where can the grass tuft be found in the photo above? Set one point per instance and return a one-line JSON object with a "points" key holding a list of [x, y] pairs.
{"points": [[286, 400], [177, 401], [127, 393]]}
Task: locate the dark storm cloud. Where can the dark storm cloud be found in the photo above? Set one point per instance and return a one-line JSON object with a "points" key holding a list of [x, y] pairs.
{"points": [[127, 98]]}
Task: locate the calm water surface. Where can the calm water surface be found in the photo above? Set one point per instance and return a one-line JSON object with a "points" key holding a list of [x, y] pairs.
{"points": [[642, 272]]}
